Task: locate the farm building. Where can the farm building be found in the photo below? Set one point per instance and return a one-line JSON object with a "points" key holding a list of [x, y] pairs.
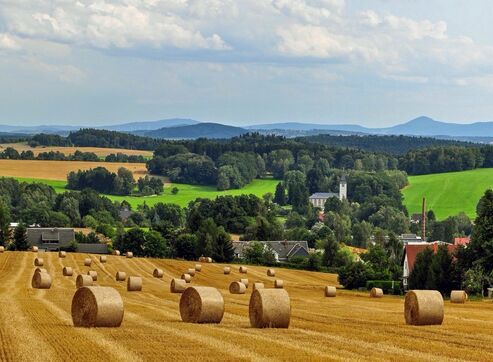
{"points": [[318, 199], [410, 238], [50, 238], [411, 250], [283, 250]]}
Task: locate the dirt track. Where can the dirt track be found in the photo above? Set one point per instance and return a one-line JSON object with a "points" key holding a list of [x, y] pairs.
{"points": [[37, 323]]}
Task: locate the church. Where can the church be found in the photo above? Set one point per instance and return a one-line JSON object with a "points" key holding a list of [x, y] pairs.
{"points": [[318, 199]]}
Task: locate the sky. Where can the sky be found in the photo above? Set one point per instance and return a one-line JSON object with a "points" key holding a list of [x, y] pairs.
{"points": [[370, 62]]}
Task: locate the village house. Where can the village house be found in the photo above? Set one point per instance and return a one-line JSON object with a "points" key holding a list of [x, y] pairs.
{"points": [[50, 238], [411, 250], [318, 199], [283, 250]]}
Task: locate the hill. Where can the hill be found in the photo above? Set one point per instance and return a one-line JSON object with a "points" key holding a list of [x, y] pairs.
{"points": [[200, 130], [448, 194], [150, 125], [320, 329], [396, 145]]}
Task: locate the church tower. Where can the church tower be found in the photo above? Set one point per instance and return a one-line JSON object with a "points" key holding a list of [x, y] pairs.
{"points": [[343, 188]]}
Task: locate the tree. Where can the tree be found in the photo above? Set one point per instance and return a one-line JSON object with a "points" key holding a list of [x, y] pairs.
{"points": [[331, 248], [185, 245], [4, 223], [354, 275], [440, 270], [481, 246], [20, 238], [280, 195], [155, 245]]}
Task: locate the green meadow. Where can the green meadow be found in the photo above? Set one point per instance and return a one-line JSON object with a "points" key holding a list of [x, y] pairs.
{"points": [[448, 193], [186, 193]]}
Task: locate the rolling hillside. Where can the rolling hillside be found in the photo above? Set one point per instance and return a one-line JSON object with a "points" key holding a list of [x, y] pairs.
{"points": [[448, 194], [200, 130], [186, 192], [351, 326]]}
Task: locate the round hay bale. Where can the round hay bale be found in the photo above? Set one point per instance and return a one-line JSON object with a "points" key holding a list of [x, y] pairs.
{"points": [[376, 293], [191, 271], [62, 254], [209, 260], [271, 273], [2, 249], [243, 269], [97, 307], [83, 281], [129, 254], [258, 285], [41, 281], [177, 285], [158, 273], [278, 283], [198, 267], [201, 305], [67, 271], [423, 307], [39, 262], [103, 258], [134, 284], [244, 281], [203, 259], [121, 276], [227, 270], [186, 277], [116, 252], [458, 296], [330, 291], [87, 262], [237, 288], [270, 308], [93, 274], [34, 249], [40, 270]]}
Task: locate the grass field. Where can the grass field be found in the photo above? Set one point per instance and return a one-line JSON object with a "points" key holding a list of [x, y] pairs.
{"points": [[351, 326], [448, 194], [100, 151], [58, 170], [185, 194]]}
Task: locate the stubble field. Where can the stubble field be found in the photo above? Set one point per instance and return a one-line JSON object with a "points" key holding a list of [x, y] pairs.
{"points": [[350, 326], [100, 151], [58, 170]]}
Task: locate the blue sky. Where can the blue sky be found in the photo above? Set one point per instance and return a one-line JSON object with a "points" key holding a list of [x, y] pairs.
{"points": [[372, 62]]}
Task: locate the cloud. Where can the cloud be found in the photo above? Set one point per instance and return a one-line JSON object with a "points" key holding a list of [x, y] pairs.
{"points": [[7, 42], [110, 24]]}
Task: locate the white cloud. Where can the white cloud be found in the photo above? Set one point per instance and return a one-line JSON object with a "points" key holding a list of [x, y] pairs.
{"points": [[7, 42]]}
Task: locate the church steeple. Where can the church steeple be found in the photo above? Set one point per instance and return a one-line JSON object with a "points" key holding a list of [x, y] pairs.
{"points": [[343, 188]]}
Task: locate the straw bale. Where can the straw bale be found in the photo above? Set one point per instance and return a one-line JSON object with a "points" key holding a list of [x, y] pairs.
{"points": [[97, 307], [423, 307], [270, 308], [201, 305]]}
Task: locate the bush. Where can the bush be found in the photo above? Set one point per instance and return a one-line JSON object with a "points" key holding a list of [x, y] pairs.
{"points": [[174, 190], [388, 286]]}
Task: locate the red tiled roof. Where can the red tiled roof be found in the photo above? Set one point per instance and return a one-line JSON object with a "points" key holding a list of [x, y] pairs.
{"points": [[462, 241], [412, 250]]}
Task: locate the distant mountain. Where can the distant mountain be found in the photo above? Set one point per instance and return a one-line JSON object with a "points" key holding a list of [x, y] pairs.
{"points": [[421, 126], [206, 130], [52, 129], [298, 126], [150, 125]]}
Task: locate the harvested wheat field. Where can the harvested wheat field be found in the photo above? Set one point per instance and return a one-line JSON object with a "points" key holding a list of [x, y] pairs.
{"points": [[58, 170], [100, 151], [350, 326]]}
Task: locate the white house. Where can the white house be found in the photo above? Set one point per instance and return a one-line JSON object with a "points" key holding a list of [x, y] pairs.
{"points": [[318, 199]]}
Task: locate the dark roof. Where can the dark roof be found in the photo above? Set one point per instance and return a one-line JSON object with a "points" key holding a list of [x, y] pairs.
{"points": [[125, 214], [323, 195], [343, 178], [284, 249]]}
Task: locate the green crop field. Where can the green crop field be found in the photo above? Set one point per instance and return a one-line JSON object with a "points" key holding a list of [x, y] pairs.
{"points": [[449, 193], [185, 194]]}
